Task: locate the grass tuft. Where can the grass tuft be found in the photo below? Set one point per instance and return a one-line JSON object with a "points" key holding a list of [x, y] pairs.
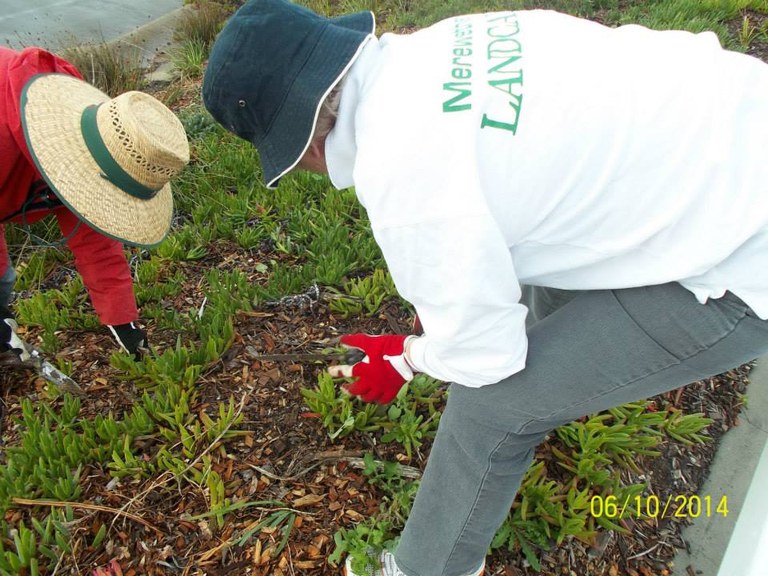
{"points": [[200, 23], [110, 67]]}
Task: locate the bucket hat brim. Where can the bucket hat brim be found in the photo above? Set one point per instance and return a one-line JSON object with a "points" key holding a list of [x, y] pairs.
{"points": [[282, 143], [52, 106]]}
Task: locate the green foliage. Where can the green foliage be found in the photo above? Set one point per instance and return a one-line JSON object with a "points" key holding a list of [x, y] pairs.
{"points": [[686, 428], [34, 266], [363, 295], [55, 447], [594, 452], [189, 58], [283, 520], [196, 121], [229, 292], [179, 366], [156, 280], [375, 533], [409, 420], [186, 244], [548, 510], [398, 491], [194, 35], [55, 310], [337, 410], [413, 418]]}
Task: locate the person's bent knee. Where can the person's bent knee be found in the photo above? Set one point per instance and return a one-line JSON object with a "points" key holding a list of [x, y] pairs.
{"points": [[7, 281]]}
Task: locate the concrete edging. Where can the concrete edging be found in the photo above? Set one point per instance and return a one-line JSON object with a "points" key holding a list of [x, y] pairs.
{"points": [[154, 38], [735, 545]]}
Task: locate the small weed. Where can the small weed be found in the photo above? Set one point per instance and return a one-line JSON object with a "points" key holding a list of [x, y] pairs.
{"points": [[196, 121], [337, 410], [410, 420], [747, 33], [363, 295], [379, 531], [413, 418]]}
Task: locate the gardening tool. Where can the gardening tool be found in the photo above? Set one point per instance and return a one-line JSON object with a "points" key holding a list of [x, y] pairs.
{"points": [[47, 370], [351, 356]]}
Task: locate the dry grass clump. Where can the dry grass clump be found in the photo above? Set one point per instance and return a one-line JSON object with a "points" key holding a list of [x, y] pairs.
{"points": [[112, 68]]}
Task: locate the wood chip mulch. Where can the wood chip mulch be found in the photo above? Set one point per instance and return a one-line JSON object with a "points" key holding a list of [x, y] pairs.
{"points": [[286, 455]]}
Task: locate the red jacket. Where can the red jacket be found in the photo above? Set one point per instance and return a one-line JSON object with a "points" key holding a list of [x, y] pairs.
{"points": [[99, 260]]}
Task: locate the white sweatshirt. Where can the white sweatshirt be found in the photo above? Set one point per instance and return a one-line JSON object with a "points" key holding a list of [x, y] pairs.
{"points": [[495, 150]]}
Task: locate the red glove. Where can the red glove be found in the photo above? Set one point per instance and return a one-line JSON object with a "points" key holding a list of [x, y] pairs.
{"points": [[382, 371]]}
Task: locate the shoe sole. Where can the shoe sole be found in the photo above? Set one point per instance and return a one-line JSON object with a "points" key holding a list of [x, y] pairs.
{"points": [[481, 573]]}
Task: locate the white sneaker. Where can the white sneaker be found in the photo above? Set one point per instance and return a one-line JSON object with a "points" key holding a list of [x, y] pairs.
{"points": [[388, 567]]}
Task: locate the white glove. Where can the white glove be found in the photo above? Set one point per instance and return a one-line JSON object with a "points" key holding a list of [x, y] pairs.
{"points": [[10, 343]]}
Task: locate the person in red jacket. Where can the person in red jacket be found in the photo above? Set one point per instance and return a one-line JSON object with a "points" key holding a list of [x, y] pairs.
{"points": [[102, 166]]}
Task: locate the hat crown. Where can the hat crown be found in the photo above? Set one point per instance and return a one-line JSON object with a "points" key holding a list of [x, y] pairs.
{"points": [[269, 70], [144, 137], [255, 62], [108, 160]]}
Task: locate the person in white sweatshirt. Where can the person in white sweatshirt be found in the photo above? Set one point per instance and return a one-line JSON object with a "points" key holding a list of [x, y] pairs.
{"points": [[578, 214]]}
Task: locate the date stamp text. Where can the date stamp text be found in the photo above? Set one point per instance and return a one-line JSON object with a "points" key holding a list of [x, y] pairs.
{"points": [[651, 506]]}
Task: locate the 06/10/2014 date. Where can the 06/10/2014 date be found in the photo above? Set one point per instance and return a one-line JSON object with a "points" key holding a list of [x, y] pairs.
{"points": [[651, 506]]}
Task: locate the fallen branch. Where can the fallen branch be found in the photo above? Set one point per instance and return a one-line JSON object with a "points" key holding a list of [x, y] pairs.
{"points": [[325, 457], [86, 506], [402, 469]]}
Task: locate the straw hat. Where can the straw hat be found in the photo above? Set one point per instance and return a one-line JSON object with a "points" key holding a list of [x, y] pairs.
{"points": [[270, 69], [110, 161]]}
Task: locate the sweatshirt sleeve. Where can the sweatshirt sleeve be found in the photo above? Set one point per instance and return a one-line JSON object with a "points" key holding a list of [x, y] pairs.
{"points": [[102, 264], [459, 275]]}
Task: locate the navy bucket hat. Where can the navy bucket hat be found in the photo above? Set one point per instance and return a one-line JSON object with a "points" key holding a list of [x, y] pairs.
{"points": [[271, 67]]}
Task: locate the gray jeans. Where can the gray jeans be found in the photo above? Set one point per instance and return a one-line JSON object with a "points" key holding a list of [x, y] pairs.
{"points": [[7, 281], [595, 350]]}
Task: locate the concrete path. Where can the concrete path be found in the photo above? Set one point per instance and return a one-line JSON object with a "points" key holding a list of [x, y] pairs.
{"points": [[735, 545], [52, 24]]}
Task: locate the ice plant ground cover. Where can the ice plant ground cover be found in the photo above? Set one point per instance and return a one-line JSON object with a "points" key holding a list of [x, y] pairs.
{"points": [[207, 458]]}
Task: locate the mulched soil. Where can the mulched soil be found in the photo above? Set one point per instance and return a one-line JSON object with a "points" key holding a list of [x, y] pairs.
{"points": [[288, 456]]}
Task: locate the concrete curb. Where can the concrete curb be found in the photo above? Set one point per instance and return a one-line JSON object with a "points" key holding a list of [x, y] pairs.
{"points": [[154, 39], [727, 546], [747, 552]]}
